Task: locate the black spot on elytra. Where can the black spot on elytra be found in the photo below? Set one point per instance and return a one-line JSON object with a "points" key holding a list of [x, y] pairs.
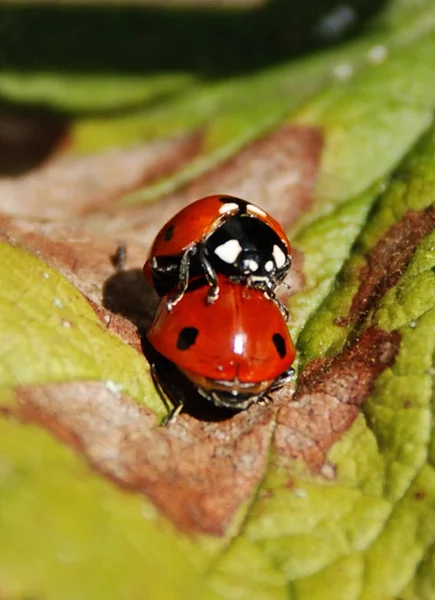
{"points": [[279, 343], [168, 233], [186, 338]]}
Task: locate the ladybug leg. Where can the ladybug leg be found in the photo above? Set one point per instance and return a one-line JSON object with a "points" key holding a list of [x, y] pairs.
{"points": [[183, 280], [284, 310], [210, 275], [284, 378], [172, 412], [172, 415], [264, 400]]}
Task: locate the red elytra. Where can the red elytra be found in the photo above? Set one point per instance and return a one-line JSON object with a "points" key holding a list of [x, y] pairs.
{"points": [[218, 234], [234, 350]]}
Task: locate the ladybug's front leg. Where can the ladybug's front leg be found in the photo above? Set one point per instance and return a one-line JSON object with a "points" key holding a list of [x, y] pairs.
{"points": [[183, 279], [264, 400], [284, 310], [284, 378], [210, 275]]}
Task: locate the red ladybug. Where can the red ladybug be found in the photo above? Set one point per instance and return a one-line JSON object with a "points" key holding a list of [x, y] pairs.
{"points": [[235, 350], [218, 234]]}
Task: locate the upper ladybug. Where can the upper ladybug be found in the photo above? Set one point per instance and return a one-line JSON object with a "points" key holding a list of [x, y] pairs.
{"points": [[218, 234]]}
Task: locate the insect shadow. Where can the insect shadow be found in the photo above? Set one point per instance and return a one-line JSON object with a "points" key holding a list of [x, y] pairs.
{"points": [[127, 293], [176, 387]]}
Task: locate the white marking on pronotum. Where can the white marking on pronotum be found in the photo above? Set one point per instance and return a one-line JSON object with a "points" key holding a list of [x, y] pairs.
{"points": [[251, 264], [279, 256], [228, 207], [256, 210], [269, 265], [229, 251]]}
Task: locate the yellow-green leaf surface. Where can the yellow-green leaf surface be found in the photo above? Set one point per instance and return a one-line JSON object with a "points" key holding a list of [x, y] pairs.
{"points": [[229, 118], [50, 333], [57, 519], [364, 535], [103, 92], [360, 524]]}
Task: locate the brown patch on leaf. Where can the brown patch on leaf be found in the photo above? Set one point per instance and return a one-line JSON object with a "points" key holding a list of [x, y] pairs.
{"points": [[84, 261], [387, 261], [74, 186], [329, 396], [120, 326], [197, 473], [278, 172], [123, 300], [419, 495]]}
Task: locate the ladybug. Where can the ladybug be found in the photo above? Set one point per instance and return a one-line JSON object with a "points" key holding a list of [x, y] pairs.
{"points": [[218, 234], [234, 351]]}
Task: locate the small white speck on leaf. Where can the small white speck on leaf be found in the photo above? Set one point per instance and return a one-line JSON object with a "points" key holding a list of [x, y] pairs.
{"points": [[113, 387], [57, 302], [328, 471], [343, 71], [377, 54]]}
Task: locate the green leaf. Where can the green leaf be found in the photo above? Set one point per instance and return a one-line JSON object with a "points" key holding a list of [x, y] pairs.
{"points": [[229, 118], [76, 92], [67, 533], [44, 316], [370, 125], [327, 494], [365, 534]]}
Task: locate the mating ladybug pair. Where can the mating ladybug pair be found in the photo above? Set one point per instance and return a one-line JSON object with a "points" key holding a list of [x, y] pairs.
{"points": [[216, 265]]}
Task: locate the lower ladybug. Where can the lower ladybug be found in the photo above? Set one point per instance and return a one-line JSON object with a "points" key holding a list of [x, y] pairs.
{"points": [[235, 350], [218, 234]]}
